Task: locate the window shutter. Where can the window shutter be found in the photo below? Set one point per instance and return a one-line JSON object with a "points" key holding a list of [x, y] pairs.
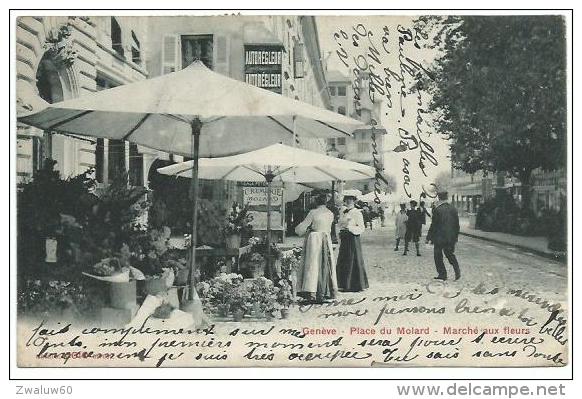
{"points": [[170, 55], [221, 54]]}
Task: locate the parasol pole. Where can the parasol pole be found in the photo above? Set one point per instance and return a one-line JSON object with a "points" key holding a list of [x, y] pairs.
{"points": [[269, 177], [196, 126], [294, 131]]}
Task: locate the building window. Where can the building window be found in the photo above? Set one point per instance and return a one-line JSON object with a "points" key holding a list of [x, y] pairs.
{"points": [[116, 159], [195, 48], [135, 166], [289, 47], [135, 49], [37, 154], [298, 61], [207, 190], [100, 160], [341, 91], [363, 147], [332, 91], [330, 142], [341, 110], [341, 141], [116, 41]]}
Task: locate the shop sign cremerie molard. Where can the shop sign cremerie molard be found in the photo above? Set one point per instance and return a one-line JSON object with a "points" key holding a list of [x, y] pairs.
{"points": [[263, 66]]}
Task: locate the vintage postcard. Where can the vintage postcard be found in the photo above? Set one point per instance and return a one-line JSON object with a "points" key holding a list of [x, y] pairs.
{"points": [[292, 190]]}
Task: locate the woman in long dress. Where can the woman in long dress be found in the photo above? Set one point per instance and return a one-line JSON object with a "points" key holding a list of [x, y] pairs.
{"points": [[316, 279], [400, 224], [351, 271]]}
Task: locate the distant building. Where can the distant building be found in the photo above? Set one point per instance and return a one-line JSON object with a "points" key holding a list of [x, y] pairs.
{"points": [[341, 93], [469, 191], [98, 53], [360, 148]]}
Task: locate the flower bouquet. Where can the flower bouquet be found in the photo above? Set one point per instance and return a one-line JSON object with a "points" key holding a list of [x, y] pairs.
{"points": [[263, 294], [180, 268], [238, 222], [148, 255], [239, 299], [254, 265], [285, 297], [58, 298], [255, 261], [290, 262], [217, 293]]}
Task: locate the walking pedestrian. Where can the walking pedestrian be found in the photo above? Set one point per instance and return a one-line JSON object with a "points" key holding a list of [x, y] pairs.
{"points": [[413, 226], [367, 214], [380, 213], [316, 279], [351, 271], [400, 224], [444, 233], [385, 212]]}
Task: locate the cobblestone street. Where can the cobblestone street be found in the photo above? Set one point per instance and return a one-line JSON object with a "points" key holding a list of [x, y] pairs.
{"points": [[490, 272], [481, 261]]}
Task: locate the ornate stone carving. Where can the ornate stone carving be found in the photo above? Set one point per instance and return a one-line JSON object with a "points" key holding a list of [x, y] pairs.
{"points": [[59, 46]]}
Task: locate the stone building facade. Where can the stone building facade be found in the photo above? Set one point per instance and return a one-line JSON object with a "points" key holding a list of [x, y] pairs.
{"points": [[59, 58], [362, 146], [278, 53], [468, 191]]}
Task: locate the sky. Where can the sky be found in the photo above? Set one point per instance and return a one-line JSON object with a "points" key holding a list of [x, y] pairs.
{"points": [[384, 33]]}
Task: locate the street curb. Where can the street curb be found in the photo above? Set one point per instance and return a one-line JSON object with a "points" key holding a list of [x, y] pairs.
{"points": [[548, 255]]}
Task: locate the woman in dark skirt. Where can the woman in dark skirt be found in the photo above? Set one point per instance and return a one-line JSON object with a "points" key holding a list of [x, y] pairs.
{"points": [[351, 271]]}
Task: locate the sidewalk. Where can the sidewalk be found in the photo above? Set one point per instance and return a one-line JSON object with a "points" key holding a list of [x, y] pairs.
{"points": [[537, 245]]}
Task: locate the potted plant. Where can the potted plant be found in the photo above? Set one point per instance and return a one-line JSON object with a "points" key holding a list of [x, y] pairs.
{"points": [[285, 297], [290, 263], [239, 300], [116, 272], [237, 223], [253, 265], [271, 308], [51, 299], [263, 295], [254, 262], [156, 276], [205, 291], [274, 253], [181, 270], [150, 248], [217, 293]]}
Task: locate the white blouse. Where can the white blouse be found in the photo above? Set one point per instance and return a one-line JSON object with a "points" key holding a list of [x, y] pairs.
{"points": [[352, 220], [319, 219]]}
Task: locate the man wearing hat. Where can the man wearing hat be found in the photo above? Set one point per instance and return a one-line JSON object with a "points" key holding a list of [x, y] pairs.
{"points": [[444, 232], [413, 227]]}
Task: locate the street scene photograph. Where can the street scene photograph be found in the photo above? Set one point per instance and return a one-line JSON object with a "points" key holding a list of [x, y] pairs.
{"points": [[289, 190]]}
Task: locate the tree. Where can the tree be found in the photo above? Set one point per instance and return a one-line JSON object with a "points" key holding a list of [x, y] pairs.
{"points": [[442, 181], [42, 205], [499, 92]]}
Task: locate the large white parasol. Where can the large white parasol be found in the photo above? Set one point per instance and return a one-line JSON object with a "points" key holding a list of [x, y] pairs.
{"points": [[277, 162], [193, 112]]}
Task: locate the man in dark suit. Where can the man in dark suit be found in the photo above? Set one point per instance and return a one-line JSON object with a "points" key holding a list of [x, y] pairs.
{"points": [[413, 227], [444, 232]]}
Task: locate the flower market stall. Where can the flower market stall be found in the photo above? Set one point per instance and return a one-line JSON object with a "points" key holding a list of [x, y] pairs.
{"points": [[161, 113]]}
